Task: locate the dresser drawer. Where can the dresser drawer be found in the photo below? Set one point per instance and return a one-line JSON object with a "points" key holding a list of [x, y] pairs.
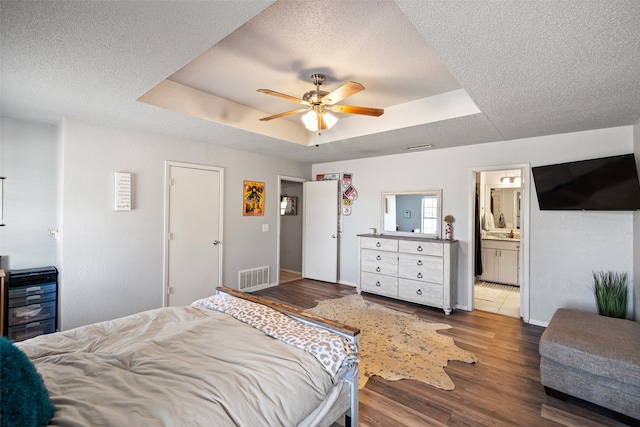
{"points": [[421, 248], [379, 262], [379, 244], [26, 291], [30, 330], [370, 255], [31, 313], [379, 284], [423, 268], [32, 299], [421, 292]]}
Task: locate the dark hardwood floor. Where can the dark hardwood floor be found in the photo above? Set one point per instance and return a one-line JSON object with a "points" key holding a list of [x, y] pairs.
{"points": [[502, 389]]}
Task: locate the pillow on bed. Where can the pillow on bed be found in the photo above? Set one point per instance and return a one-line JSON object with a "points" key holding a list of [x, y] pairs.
{"points": [[24, 400]]}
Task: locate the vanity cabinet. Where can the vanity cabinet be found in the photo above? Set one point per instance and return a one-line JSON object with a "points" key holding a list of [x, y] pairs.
{"points": [[413, 269], [500, 261]]}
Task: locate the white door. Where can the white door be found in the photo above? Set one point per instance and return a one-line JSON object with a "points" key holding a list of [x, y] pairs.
{"points": [[193, 263], [320, 230]]}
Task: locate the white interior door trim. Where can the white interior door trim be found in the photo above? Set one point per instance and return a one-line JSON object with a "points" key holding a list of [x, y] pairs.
{"points": [[167, 177], [524, 240], [277, 205]]}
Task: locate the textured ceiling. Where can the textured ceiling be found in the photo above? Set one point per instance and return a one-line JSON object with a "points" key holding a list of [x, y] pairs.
{"points": [[529, 68]]}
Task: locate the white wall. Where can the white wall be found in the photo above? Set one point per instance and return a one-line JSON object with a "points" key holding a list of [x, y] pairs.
{"points": [[113, 261], [565, 247], [28, 161]]}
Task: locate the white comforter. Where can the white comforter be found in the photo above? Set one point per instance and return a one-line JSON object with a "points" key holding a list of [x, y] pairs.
{"points": [[176, 366]]}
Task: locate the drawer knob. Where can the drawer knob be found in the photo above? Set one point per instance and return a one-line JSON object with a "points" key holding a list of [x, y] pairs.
{"points": [[378, 269], [419, 292], [378, 244], [378, 284], [419, 275], [419, 249], [419, 262], [378, 257]]}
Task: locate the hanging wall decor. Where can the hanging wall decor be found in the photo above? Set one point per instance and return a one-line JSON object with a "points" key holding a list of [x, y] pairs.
{"points": [[253, 198]]}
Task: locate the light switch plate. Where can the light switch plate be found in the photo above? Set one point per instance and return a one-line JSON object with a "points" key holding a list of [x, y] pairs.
{"points": [[265, 227]]}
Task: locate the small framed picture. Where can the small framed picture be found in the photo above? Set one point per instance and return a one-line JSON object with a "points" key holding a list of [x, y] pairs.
{"points": [[406, 214], [288, 205], [253, 198]]}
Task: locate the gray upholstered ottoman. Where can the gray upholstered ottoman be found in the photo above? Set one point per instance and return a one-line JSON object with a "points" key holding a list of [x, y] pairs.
{"points": [[592, 357]]}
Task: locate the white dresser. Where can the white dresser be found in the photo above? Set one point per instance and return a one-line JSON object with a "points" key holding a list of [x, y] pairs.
{"points": [[413, 269]]}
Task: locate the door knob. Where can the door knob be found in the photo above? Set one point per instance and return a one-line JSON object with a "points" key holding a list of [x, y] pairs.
{"points": [[216, 242]]}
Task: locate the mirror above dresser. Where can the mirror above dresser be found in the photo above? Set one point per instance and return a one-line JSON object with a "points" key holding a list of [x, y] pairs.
{"points": [[413, 213]]}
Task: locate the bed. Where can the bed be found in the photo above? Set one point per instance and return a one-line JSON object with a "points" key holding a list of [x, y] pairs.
{"points": [[229, 360]]}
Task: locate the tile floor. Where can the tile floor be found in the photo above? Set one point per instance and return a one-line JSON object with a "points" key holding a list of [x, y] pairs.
{"points": [[496, 298]]}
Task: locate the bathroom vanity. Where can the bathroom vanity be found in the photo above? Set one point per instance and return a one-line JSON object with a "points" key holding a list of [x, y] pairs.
{"points": [[500, 260]]}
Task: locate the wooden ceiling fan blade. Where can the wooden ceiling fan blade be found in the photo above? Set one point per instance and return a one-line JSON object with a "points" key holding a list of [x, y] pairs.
{"points": [[284, 95], [342, 92], [349, 109], [286, 113]]}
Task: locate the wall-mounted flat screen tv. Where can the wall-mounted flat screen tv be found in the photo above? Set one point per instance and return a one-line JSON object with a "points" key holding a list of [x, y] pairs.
{"points": [[604, 184]]}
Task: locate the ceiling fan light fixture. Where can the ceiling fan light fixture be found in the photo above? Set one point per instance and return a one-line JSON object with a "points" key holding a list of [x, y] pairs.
{"points": [[310, 120], [329, 119], [319, 102]]}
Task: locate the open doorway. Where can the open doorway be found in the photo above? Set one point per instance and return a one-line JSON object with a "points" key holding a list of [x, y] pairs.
{"points": [[290, 229], [498, 279]]}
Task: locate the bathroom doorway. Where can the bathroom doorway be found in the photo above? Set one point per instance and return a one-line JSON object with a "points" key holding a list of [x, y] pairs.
{"points": [[498, 267]]}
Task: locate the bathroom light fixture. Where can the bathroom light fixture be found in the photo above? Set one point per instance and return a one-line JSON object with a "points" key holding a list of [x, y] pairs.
{"points": [[510, 180]]}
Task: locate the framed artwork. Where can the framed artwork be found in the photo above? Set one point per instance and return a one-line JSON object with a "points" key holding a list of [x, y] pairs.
{"points": [[288, 205], [253, 198]]}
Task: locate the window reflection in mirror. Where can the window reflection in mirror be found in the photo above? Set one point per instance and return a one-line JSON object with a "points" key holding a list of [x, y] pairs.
{"points": [[412, 212]]}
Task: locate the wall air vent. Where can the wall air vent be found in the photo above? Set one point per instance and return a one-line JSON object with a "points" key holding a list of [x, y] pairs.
{"points": [[252, 278]]}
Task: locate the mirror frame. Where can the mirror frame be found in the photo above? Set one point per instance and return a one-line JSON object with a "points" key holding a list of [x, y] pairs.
{"points": [[436, 235]]}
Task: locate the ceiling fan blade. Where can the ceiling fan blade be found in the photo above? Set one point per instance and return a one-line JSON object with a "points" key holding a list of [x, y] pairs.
{"points": [[285, 96], [342, 92], [349, 109], [286, 113]]}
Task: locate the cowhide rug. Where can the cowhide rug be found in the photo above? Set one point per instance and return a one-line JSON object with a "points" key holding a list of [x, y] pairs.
{"points": [[396, 345]]}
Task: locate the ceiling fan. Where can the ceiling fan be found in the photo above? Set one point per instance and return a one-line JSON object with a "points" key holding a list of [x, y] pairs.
{"points": [[319, 103]]}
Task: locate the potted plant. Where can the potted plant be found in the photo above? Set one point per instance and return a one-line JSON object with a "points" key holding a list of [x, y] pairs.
{"points": [[610, 289]]}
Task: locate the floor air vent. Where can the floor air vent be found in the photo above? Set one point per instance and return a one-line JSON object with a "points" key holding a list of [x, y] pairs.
{"points": [[254, 277]]}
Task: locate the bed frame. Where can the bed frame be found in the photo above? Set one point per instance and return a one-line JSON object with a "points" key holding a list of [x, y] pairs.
{"points": [[351, 334]]}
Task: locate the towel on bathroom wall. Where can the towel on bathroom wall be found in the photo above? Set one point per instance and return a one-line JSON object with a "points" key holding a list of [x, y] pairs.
{"points": [[487, 221]]}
